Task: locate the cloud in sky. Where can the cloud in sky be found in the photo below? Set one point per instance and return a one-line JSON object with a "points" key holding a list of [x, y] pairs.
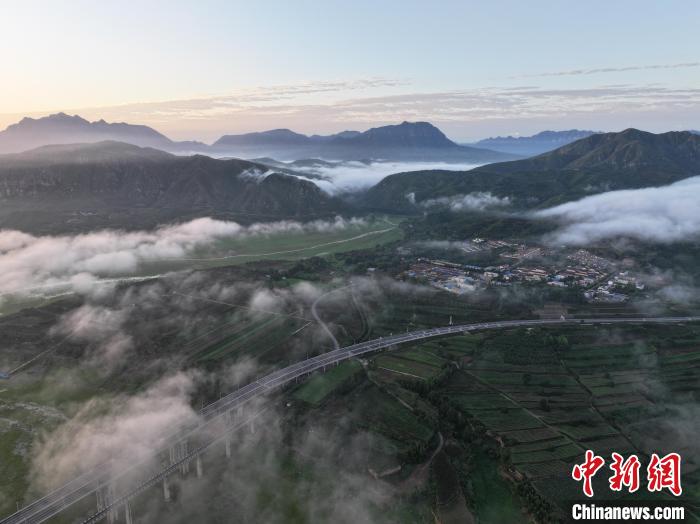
{"points": [[657, 214], [321, 107], [600, 70]]}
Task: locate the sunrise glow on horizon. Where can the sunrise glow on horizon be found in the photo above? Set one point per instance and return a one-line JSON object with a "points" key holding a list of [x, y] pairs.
{"points": [[197, 71]]}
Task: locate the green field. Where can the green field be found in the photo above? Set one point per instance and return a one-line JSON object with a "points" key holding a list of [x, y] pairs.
{"points": [[254, 337], [406, 367], [30, 406], [315, 390], [491, 495], [286, 246], [380, 412]]}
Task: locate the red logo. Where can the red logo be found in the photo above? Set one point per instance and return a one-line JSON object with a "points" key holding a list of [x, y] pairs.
{"points": [[587, 471], [662, 473], [665, 473], [625, 473]]}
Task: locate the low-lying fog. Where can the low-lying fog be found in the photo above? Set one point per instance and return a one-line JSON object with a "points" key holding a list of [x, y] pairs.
{"points": [[658, 214], [341, 177], [33, 264]]}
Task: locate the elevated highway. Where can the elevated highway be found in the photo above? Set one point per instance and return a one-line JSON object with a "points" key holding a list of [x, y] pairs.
{"points": [[217, 420]]}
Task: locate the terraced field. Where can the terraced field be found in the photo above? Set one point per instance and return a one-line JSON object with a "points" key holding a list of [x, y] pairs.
{"points": [[380, 413], [550, 395], [319, 387]]}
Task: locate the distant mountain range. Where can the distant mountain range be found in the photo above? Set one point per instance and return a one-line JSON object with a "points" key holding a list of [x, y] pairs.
{"points": [[62, 188], [111, 184], [533, 145], [406, 134], [598, 163], [408, 141], [419, 141]]}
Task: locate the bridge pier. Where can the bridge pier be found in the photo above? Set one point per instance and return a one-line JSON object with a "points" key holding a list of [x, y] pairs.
{"points": [[100, 494], [112, 496], [252, 426], [227, 442], [127, 513], [166, 490], [105, 497], [185, 466], [199, 468]]}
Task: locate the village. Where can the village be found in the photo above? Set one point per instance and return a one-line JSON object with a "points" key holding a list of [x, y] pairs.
{"points": [[598, 279]]}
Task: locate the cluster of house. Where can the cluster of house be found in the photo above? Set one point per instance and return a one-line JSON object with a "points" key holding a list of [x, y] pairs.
{"points": [[583, 257], [596, 276], [615, 289], [508, 249], [455, 278], [581, 276]]}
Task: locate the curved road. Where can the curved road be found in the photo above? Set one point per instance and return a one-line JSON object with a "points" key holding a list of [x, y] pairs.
{"points": [[317, 318], [88, 483]]}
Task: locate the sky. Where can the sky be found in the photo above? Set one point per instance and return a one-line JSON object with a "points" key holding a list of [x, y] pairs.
{"points": [[196, 70]]}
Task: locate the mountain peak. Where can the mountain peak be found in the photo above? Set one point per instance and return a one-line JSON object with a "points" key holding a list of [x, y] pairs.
{"points": [[53, 118], [65, 116], [283, 131], [61, 128], [405, 134], [632, 133]]}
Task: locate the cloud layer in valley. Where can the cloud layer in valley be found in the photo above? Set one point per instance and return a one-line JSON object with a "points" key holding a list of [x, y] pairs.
{"points": [[29, 262], [478, 201], [130, 429], [658, 214], [342, 177], [128, 432]]}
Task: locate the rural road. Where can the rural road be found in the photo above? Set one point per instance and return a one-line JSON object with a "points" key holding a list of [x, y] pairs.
{"points": [[317, 318]]}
